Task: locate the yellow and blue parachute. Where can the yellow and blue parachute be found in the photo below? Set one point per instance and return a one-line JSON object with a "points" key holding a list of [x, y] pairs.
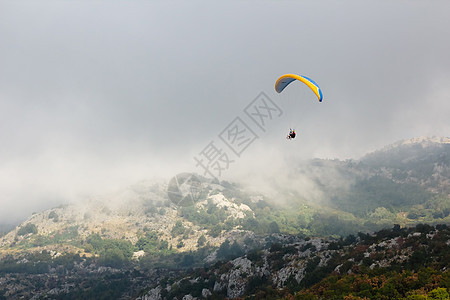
{"points": [[285, 80]]}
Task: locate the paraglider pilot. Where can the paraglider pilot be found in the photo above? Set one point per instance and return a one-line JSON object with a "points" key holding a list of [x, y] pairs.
{"points": [[291, 134]]}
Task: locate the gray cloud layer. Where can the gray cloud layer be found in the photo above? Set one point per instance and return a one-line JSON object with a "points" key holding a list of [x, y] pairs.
{"points": [[96, 95]]}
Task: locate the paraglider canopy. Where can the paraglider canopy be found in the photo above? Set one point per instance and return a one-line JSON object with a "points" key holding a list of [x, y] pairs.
{"points": [[285, 80]]}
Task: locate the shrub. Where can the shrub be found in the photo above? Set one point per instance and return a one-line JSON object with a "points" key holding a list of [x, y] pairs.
{"points": [[53, 215], [29, 228]]}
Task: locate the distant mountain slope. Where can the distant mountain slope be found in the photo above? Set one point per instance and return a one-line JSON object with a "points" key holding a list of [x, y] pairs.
{"points": [[425, 161], [407, 176], [136, 215]]}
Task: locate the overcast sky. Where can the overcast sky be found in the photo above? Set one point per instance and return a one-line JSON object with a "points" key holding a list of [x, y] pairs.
{"points": [[96, 95]]}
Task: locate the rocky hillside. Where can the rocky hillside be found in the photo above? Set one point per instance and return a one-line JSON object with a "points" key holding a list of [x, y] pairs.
{"points": [[288, 268], [127, 215]]}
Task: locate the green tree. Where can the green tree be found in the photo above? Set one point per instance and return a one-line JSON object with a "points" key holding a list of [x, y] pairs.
{"points": [[53, 215], [201, 240], [112, 257], [416, 297], [274, 228], [29, 228], [178, 229], [438, 294]]}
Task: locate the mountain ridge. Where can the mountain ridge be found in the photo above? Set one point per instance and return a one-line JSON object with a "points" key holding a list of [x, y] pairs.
{"points": [[145, 205], [140, 242]]}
